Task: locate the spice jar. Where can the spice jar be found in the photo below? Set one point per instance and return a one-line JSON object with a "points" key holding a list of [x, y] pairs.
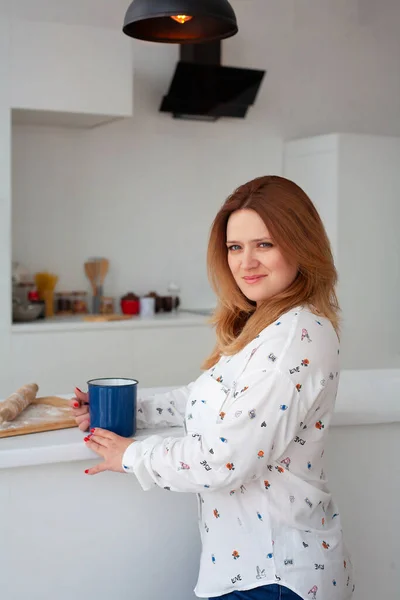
{"points": [[107, 306], [63, 303], [79, 303]]}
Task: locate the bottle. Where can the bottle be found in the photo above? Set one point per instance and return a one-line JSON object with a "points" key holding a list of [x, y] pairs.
{"points": [[174, 291]]}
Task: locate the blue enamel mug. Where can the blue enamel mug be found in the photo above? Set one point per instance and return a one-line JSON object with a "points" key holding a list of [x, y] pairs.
{"points": [[112, 405]]}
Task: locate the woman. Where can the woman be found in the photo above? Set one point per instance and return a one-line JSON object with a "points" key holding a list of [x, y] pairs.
{"points": [[256, 420]]}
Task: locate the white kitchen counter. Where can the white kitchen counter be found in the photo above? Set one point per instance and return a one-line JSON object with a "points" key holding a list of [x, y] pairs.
{"points": [[65, 445], [364, 398]]}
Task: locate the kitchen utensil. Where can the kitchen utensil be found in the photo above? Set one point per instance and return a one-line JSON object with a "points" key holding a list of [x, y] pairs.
{"points": [[105, 318], [103, 270], [96, 270], [112, 405], [43, 414], [25, 312], [102, 265], [91, 271], [91, 274], [17, 402]]}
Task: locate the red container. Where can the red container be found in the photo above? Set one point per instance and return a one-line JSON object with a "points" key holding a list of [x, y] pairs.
{"points": [[130, 307], [33, 296]]}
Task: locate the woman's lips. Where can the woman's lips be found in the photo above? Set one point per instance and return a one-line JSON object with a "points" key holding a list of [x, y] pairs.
{"points": [[254, 279]]}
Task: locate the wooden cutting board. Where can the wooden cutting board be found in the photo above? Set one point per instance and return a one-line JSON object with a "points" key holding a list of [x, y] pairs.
{"points": [[44, 414], [106, 318]]}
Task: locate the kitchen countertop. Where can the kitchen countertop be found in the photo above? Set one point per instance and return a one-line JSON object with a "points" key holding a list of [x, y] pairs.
{"points": [[77, 323], [365, 397]]}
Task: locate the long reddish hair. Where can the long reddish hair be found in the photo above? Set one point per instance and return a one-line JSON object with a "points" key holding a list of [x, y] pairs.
{"points": [[296, 228]]}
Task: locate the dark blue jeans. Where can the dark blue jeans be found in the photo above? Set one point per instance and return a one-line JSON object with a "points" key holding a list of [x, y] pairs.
{"points": [[265, 592]]}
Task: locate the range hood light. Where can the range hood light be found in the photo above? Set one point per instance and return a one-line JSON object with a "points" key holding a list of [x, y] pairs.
{"points": [[182, 19], [163, 20]]}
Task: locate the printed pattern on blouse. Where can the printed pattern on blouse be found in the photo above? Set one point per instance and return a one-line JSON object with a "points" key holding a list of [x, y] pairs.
{"points": [[163, 410], [256, 425]]}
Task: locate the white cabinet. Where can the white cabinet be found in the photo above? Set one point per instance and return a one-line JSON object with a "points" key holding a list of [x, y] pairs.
{"points": [[69, 75], [156, 355], [354, 181], [312, 164]]}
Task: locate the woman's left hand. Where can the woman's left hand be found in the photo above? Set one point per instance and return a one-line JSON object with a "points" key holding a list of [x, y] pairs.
{"points": [[110, 446]]}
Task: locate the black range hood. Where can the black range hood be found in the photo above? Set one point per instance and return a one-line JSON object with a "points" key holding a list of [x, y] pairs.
{"points": [[204, 90]]}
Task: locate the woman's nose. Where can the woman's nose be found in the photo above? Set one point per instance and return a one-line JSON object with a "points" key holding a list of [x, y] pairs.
{"points": [[249, 261]]}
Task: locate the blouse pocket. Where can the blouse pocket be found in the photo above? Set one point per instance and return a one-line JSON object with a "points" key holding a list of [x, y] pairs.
{"points": [[205, 402]]}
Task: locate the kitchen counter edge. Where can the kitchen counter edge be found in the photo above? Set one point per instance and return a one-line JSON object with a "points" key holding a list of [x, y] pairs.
{"points": [[365, 397], [69, 324]]}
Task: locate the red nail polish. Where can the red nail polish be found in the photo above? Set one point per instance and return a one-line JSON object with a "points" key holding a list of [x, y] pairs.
{"points": [[86, 439], [87, 471], [92, 430], [76, 404]]}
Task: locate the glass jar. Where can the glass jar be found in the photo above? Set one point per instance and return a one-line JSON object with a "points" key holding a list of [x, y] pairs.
{"points": [[174, 291], [79, 303], [107, 306], [63, 303]]}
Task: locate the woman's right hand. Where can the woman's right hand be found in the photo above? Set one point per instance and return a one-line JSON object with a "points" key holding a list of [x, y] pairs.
{"points": [[80, 409]]}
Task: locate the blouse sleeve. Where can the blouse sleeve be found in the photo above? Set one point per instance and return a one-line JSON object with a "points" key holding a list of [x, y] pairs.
{"points": [[164, 409], [260, 420]]}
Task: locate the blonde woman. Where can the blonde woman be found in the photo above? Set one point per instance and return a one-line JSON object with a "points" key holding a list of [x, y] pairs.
{"points": [[256, 420]]}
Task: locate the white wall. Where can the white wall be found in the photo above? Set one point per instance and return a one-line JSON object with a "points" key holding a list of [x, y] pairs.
{"points": [[332, 64], [153, 170], [5, 204], [142, 192]]}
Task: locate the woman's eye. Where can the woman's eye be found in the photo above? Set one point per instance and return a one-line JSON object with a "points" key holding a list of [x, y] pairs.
{"points": [[233, 247], [266, 245]]}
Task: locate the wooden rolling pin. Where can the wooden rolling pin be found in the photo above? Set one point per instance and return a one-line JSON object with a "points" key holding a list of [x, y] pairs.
{"points": [[17, 402]]}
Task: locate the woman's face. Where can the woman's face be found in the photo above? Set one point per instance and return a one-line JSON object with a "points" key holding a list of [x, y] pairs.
{"points": [[257, 264]]}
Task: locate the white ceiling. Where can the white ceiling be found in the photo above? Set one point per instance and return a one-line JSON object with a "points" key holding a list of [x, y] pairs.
{"points": [[333, 65]]}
